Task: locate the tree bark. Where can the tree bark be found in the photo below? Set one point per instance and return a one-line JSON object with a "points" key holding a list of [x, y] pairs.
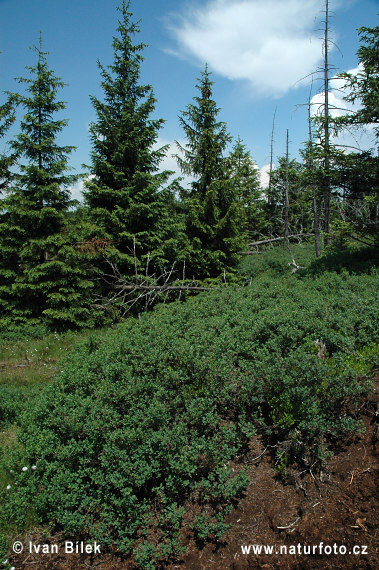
{"points": [[326, 178], [269, 191], [286, 199], [316, 204]]}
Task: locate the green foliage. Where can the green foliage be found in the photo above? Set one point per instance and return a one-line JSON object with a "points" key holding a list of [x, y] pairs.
{"points": [[12, 402], [42, 276], [364, 85], [216, 217], [274, 261], [10, 331], [145, 420], [149, 417], [214, 528], [7, 118], [357, 172], [123, 192], [4, 546], [207, 139], [44, 178], [245, 178], [300, 197], [353, 258]]}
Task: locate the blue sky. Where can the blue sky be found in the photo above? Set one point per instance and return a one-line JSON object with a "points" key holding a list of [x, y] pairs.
{"points": [[258, 50]]}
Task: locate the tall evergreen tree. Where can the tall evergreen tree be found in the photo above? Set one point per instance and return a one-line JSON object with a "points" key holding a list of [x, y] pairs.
{"points": [[245, 177], [364, 85], [357, 172], [7, 118], [124, 190], [8, 254], [39, 273], [216, 222]]}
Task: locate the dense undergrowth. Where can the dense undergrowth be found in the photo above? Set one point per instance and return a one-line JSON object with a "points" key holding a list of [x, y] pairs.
{"points": [[145, 419]]}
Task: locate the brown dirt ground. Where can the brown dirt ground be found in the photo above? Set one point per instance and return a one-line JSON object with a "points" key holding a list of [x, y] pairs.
{"points": [[335, 507]]}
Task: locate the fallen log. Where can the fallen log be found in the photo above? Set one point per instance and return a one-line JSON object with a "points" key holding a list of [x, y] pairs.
{"points": [[264, 241], [138, 287]]}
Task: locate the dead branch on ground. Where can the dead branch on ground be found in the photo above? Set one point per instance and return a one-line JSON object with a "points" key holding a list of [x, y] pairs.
{"points": [[143, 287]]}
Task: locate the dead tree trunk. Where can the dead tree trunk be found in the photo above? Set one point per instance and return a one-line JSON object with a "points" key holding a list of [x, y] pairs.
{"points": [[286, 199], [272, 240], [326, 129], [316, 202], [269, 191], [270, 201]]}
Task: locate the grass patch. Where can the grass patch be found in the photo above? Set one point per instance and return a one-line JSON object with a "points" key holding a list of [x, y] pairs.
{"points": [[28, 364]]}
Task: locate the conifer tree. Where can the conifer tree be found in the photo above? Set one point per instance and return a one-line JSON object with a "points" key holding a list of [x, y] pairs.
{"points": [[358, 172], [7, 118], [216, 223], [123, 191], [8, 255], [40, 274], [364, 85], [245, 177]]}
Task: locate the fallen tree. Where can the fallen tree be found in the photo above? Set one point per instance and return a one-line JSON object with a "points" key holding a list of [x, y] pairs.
{"points": [[144, 288], [272, 240]]}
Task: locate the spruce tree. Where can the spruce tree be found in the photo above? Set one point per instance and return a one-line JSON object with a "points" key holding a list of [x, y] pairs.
{"points": [[40, 273], [8, 254], [364, 85], [216, 223], [123, 192], [7, 159], [245, 177], [358, 172]]}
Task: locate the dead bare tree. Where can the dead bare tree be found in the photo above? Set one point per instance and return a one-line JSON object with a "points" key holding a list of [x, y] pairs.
{"points": [[257, 244], [143, 289], [326, 129], [310, 166], [286, 198], [293, 263], [322, 199], [269, 190]]}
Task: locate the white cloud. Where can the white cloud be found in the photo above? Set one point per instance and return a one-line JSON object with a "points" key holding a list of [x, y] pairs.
{"points": [[269, 43], [77, 188], [77, 191], [264, 172], [352, 139]]}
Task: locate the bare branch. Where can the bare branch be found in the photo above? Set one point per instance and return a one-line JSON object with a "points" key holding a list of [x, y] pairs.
{"points": [[262, 242]]}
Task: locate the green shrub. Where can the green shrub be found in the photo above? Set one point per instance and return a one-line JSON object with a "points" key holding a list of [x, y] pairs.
{"points": [[353, 258], [4, 546], [275, 261], [12, 400], [11, 331], [146, 420]]}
